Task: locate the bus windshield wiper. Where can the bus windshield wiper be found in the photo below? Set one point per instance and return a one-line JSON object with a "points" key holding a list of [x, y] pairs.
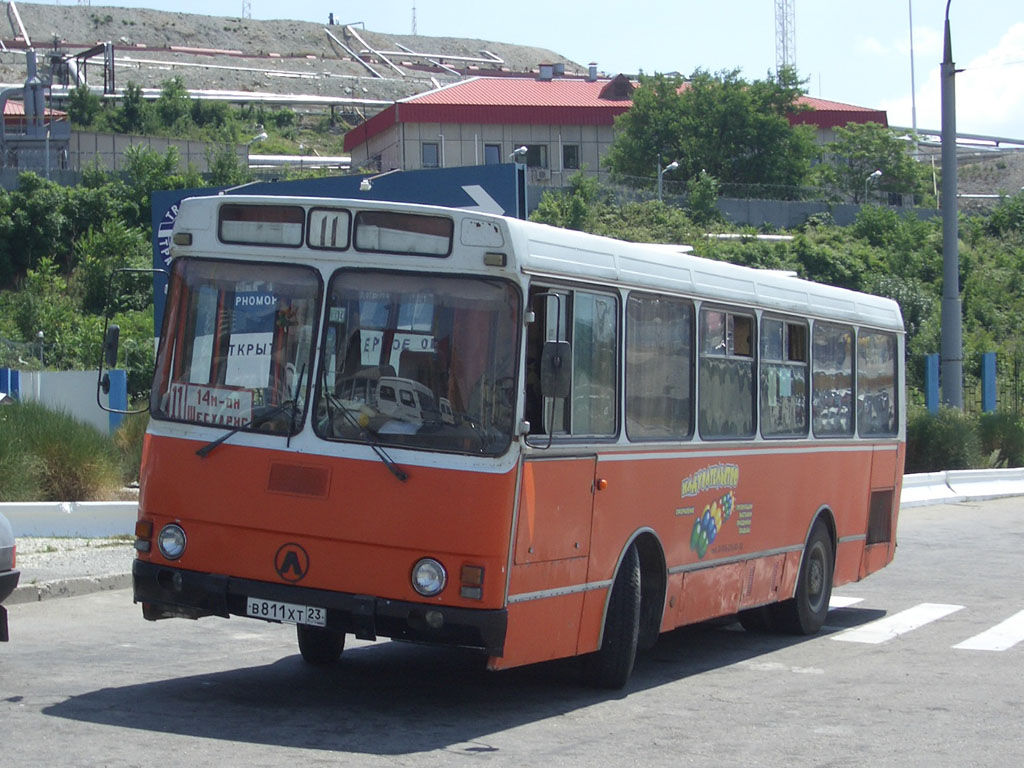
{"points": [[254, 422], [371, 441], [330, 401]]}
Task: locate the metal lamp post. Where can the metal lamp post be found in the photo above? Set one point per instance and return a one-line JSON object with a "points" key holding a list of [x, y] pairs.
{"points": [[662, 171], [874, 175], [951, 370]]}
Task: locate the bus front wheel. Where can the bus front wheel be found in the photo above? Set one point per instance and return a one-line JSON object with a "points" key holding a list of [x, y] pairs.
{"points": [[319, 645], [805, 613], [611, 665]]}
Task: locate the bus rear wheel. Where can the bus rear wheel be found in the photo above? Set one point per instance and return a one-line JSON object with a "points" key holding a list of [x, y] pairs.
{"points": [[805, 613], [319, 645], [611, 665]]}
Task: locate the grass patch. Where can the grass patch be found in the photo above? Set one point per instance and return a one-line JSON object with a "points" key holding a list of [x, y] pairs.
{"points": [[50, 456], [128, 442]]}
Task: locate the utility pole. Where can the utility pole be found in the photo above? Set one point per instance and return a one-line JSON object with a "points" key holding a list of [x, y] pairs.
{"points": [[951, 370]]}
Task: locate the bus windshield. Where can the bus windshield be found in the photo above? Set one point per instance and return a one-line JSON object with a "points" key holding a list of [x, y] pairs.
{"points": [[238, 347], [419, 361]]}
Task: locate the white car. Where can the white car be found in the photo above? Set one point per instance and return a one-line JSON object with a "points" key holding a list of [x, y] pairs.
{"points": [[8, 574]]}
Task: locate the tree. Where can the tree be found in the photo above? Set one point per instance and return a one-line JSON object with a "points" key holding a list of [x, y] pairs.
{"points": [[134, 112], [735, 131], [859, 150], [571, 208], [83, 106], [174, 106]]}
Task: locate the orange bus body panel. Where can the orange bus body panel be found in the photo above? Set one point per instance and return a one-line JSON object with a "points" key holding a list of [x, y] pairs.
{"points": [[765, 500], [363, 533]]}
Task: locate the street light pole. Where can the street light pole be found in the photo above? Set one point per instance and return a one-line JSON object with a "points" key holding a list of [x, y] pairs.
{"points": [[873, 175], [662, 171], [951, 372]]}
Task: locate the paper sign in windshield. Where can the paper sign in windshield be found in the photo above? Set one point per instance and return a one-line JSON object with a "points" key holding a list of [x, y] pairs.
{"points": [[210, 405]]}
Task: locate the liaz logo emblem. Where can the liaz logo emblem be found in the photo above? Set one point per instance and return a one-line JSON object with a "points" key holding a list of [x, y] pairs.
{"points": [[291, 562]]}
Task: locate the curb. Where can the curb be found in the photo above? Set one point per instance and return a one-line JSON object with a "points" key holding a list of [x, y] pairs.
{"points": [[33, 593]]}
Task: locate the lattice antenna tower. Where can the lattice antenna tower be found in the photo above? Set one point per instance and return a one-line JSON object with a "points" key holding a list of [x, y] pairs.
{"points": [[246, 9], [785, 34], [414, 18], [83, 2]]}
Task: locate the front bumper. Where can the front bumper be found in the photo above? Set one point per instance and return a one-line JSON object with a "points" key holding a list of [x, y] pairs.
{"points": [[8, 581], [167, 592]]}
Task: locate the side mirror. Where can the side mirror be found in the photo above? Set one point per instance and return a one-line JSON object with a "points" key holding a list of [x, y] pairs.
{"points": [[110, 343], [556, 369]]}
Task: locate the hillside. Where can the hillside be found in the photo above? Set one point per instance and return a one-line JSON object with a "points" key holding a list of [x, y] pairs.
{"points": [[278, 56]]}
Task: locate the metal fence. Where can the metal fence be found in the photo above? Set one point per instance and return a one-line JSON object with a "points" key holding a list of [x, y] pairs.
{"points": [[1009, 387]]}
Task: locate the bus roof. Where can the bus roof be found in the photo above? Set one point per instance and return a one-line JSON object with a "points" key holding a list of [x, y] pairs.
{"points": [[540, 249], [674, 268]]}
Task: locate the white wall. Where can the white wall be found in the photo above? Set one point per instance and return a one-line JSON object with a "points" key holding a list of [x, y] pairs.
{"points": [[73, 392]]}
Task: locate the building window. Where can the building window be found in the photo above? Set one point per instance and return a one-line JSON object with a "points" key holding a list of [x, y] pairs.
{"points": [[571, 157], [492, 154], [536, 155], [431, 154]]}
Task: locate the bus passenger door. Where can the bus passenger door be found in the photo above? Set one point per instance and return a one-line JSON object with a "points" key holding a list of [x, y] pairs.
{"points": [[549, 562]]}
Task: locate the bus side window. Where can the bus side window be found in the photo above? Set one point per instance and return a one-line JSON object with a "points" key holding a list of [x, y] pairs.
{"points": [[534, 410]]}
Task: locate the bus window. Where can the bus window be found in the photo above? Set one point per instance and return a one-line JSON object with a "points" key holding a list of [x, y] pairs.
{"points": [[783, 378], [590, 322], [876, 383], [726, 394], [240, 339], [659, 367], [404, 344], [832, 377], [413, 234], [594, 360]]}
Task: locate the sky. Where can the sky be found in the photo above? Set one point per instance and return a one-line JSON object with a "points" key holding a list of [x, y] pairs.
{"points": [[853, 52]]}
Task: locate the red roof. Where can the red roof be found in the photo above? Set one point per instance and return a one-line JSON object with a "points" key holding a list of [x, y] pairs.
{"points": [[503, 101], [17, 109], [531, 101], [833, 114]]}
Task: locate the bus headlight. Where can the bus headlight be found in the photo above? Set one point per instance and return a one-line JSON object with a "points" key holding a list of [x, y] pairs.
{"points": [[171, 541], [429, 577]]}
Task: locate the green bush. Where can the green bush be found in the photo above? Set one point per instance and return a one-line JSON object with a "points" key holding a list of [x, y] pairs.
{"points": [[1002, 437], [948, 440], [128, 441], [53, 457]]}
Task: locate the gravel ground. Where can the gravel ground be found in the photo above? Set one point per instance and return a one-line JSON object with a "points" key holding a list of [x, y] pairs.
{"points": [[52, 567]]}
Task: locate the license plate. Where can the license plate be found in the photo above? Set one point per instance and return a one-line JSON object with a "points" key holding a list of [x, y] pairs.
{"points": [[289, 613]]}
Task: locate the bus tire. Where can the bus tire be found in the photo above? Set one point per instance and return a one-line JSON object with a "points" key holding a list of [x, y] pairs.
{"points": [[805, 613], [319, 645], [611, 665]]}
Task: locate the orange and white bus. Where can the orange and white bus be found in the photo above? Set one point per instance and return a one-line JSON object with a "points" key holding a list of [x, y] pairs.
{"points": [[449, 427]]}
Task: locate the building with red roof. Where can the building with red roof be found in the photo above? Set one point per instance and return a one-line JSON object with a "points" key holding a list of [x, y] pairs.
{"points": [[565, 124]]}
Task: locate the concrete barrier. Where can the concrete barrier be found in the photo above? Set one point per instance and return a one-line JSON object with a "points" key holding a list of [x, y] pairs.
{"points": [[88, 519], [979, 484], [927, 488]]}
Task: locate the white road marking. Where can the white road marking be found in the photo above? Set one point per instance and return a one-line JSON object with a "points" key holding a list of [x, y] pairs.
{"points": [[838, 601], [890, 627], [1000, 637]]}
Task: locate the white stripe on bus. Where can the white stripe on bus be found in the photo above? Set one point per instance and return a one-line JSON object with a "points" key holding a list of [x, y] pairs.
{"points": [[559, 591]]}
